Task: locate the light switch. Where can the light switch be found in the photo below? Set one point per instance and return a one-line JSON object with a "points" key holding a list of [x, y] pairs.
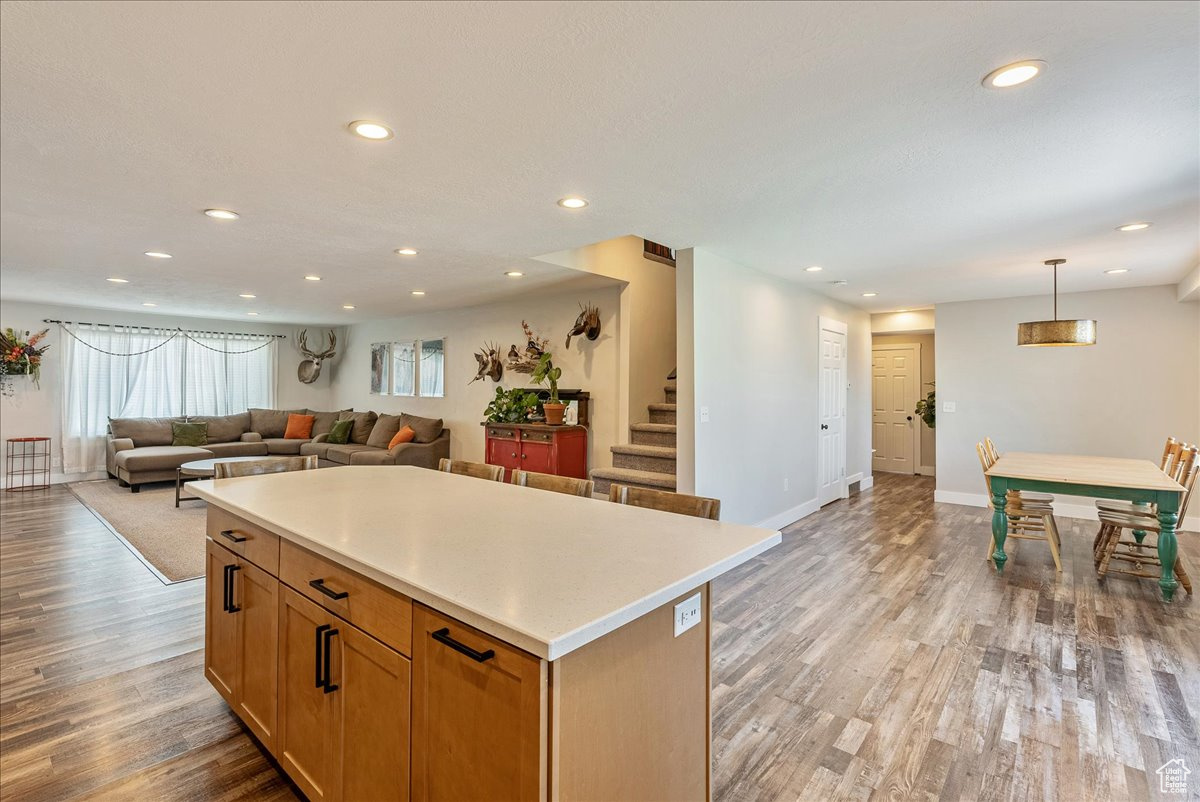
{"points": [[687, 614], [704, 414], [949, 406]]}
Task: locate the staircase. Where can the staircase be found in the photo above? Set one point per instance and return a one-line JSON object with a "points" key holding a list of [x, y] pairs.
{"points": [[649, 458]]}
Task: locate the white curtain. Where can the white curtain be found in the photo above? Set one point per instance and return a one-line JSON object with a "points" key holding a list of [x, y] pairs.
{"points": [[433, 361], [141, 372]]}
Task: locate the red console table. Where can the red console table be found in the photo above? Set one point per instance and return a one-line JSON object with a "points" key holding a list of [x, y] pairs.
{"points": [[559, 450]]}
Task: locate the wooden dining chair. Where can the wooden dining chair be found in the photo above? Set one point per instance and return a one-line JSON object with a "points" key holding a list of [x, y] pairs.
{"points": [[1142, 557], [228, 470], [1027, 495], [1027, 519], [680, 503], [476, 470], [555, 484], [1169, 464]]}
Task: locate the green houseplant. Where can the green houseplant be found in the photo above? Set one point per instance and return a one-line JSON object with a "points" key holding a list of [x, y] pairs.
{"points": [[546, 373], [510, 406], [927, 408]]}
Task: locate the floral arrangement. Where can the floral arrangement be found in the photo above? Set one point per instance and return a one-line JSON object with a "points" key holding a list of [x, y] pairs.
{"points": [[21, 356]]}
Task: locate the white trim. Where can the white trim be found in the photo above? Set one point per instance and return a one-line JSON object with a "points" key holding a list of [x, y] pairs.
{"points": [[829, 324], [864, 482], [1072, 509], [927, 470], [787, 517]]}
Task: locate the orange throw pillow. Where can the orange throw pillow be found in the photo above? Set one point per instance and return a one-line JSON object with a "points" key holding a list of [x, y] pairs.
{"points": [[405, 435], [299, 427]]}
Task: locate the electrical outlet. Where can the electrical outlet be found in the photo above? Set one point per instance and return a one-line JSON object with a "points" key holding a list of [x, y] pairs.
{"points": [[687, 614], [704, 414], [949, 406]]}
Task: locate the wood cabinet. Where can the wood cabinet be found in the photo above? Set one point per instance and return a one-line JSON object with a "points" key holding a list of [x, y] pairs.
{"points": [[476, 717], [558, 450]]}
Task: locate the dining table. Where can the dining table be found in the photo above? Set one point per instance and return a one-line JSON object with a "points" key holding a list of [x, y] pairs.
{"points": [[1137, 480]]}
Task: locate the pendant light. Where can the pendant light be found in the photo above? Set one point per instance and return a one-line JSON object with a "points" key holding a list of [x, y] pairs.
{"points": [[1056, 332]]}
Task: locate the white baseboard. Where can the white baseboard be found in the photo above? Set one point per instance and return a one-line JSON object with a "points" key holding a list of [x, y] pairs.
{"points": [[927, 470], [864, 482], [1077, 507], [57, 478], [790, 516]]}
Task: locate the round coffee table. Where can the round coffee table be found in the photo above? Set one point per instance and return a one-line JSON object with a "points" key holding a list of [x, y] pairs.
{"points": [[203, 469]]}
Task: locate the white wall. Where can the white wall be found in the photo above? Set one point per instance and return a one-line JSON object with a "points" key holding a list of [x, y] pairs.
{"points": [[755, 368], [587, 365], [1122, 397], [37, 412]]}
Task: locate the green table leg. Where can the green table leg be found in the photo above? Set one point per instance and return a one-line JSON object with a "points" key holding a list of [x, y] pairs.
{"points": [[1168, 550], [999, 524], [1140, 534]]}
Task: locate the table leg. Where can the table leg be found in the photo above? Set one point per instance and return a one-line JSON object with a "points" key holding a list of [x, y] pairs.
{"points": [[1168, 550], [178, 481], [999, 523], [1140, 534]]}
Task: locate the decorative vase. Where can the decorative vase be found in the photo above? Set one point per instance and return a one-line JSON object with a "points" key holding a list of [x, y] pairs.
{"points": [[554, 413]]}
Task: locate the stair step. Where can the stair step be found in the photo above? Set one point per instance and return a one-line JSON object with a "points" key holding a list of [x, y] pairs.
{"points": [[653, 434], [662, 413], [670, 391], [646, 450], [605, 477], [642, 457]]}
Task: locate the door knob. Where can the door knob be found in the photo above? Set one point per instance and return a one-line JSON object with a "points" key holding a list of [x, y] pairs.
{"points": [[910, 417], [824, 426]]}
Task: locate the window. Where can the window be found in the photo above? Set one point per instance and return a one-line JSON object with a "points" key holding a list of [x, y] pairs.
{"points": [[396, 370]]}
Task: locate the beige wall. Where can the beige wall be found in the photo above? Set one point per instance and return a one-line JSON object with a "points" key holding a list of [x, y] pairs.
{"points": [[1121, 397], [928, 373], [893, 322], [754, 367], [587, 365]]}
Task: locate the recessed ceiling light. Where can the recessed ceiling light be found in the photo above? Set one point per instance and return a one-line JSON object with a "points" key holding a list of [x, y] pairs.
{"points": [[869, 294], [1116, 270], [247, 295], [252, 314], [347, 306], [158, 255], [841, 282], [1134, 227], [406, 251], [147, 303], [418, 292], [118, 280], [222, 214], [312, 278], [369, 129], [813, 269], [514, 274], [1014, 74], [572, 203]]}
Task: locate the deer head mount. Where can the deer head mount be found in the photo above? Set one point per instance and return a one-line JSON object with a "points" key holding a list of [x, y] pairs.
{"points": [[488, 357], [587, 324], [310, 367]]}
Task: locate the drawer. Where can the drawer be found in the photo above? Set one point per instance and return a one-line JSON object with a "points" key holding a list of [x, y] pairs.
{"points": [[538, 437], [244, 539], [501, 433], [380, 612]]}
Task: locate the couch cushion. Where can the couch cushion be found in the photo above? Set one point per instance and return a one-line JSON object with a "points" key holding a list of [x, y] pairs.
{"points": [[258, 449], [323, 421], [372, 456], [340, 433], [279, 445], [270, 422], [384, 430], [314, 448], [143, 431], [224, 428], [299, 427], [159, 458], [405, 435], [189, 434], [427, 429], [363, 423], [341, 454]]}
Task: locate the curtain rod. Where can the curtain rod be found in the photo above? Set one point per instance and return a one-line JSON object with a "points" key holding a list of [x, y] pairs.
{"points": [[126, 326]]}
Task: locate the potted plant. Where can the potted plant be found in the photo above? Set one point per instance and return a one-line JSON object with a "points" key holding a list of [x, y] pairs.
{"points": [[546, 373], [927, 407], [510, 406]]}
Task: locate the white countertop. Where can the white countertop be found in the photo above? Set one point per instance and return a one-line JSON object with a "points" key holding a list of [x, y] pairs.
{"points": [[544, 571]]}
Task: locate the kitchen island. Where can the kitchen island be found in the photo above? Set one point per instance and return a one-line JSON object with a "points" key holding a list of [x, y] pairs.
{"points": [[393, 632]]}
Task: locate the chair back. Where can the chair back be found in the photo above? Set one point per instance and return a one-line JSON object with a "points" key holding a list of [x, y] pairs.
{"points": [[1189, 463], [476, 470], [679, 503], [556, 484], [986, 461], [228, 470], [1170, 454]]}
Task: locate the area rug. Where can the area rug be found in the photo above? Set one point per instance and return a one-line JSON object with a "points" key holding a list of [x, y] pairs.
{"points": [[169, 539]]}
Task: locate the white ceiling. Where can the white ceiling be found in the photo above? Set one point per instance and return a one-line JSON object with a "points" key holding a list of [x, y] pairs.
{"points": [[855, 136]]}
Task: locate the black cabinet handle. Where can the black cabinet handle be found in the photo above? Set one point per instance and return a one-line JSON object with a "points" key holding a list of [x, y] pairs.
{"points": [[319, 584], [230, 607], [327, 637], [443, 636], [317, 652], [235, 538], [225, 588]]}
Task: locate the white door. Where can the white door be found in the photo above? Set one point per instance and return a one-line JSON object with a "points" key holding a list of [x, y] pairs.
{"points": [[895, 374], [831, 407]]}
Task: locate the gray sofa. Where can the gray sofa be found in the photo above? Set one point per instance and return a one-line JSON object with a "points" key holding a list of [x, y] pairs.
{"points": [[140, 451]]}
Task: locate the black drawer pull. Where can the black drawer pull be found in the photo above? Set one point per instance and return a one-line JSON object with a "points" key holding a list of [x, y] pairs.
{"points": [[317, 653], [443, 636], [227, 589], [327, 637], [235, 538], [319, 584]]}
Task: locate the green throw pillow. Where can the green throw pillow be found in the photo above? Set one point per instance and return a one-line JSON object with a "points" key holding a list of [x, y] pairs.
{"points": [[340, 433], [189, 434]]}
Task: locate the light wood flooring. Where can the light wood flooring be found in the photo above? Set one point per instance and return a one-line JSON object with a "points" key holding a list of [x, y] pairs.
{"points": [[871, 655]]}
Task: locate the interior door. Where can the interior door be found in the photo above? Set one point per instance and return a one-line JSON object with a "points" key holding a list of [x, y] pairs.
{"points": [[895, 373], [831, 440]]}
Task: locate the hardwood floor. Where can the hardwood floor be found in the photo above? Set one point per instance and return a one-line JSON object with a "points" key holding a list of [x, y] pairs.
{"points": [[872, 655]]}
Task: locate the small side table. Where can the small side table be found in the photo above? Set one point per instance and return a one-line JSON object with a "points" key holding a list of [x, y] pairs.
{"points": [[26, 464]]}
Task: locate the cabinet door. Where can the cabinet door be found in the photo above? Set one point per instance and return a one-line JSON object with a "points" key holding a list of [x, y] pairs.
{"points": [[477, 724], [504, 453], [373, 705], [537, 456], [304, 742], [220, 626], [256, 595]]}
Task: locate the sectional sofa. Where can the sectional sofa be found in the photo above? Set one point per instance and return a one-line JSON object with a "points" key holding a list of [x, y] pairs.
{"points": [[140, 450]]}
